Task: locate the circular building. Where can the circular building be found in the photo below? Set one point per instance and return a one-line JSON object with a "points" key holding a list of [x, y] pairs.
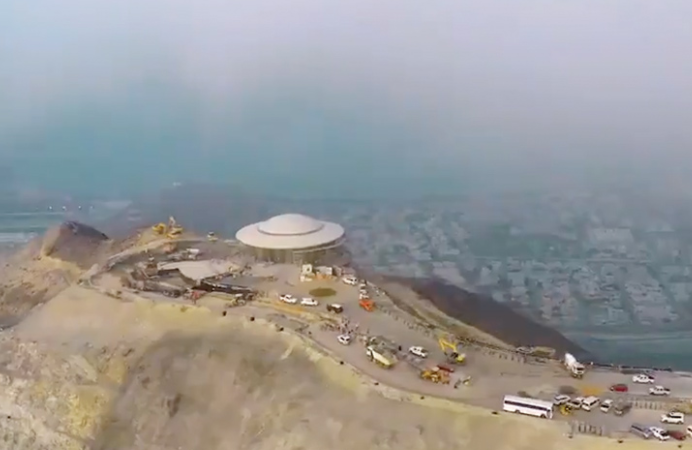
{"points": [[293, 238]]}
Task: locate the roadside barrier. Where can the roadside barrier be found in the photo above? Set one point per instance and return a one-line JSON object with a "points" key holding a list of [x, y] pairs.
{"points": [[579, 427]]}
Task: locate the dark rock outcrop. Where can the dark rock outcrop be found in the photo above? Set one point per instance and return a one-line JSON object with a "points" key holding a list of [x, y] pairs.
{"points": [[74, 242], [484, 313]]}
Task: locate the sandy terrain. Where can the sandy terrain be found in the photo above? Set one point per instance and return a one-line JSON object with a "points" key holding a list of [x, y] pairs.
{"points": [[195, 380]]}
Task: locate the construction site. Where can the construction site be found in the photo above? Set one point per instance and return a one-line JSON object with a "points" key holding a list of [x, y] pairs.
{"points": [[386, 333], [359, 322]]}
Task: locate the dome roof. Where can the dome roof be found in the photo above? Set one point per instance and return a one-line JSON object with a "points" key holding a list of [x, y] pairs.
{"points": [[290, 231], [290, 225]]}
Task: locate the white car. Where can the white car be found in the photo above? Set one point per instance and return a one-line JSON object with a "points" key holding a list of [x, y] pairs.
{"points": [[677, 418], [351, 281], [659, 433], [363, 295], [288, 298], [643, 378], [308, 301], [561, 399], [659, 390], [576, 402], [344, 339], [418, 351], [606, 405]]}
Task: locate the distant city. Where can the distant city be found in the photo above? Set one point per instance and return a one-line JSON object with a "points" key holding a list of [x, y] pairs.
{"points": [[578, 261]]}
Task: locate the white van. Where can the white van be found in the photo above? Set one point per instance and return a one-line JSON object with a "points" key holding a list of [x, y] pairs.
{"points": [[589, 403]]}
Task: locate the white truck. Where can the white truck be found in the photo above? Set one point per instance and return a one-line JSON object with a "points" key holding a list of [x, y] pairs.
{"points": [[380, 357], [574, 367]]}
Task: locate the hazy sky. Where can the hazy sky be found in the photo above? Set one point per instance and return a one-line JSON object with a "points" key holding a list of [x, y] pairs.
{"points": [[380, 93]]}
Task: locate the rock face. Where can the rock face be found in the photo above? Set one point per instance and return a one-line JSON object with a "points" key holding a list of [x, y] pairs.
{"points": [[492, 317]]}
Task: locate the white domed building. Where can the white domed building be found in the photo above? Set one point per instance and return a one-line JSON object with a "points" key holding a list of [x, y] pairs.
{"points": [[293, 238]]}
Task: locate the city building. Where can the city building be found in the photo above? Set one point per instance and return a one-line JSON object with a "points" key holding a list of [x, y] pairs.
{"points": [[294, 238]]}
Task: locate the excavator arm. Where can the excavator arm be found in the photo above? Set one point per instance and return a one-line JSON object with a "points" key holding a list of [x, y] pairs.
{"points": [[450, 349]]}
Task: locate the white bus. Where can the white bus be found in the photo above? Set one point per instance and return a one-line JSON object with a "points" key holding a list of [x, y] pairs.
{"points": [[529, 406]]}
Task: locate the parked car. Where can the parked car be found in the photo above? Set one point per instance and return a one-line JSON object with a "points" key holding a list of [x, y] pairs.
{"points": [[640, 430], [677, 418], [659, 433], [575, 403], [418, 351], [678, 435], [606, 405], [620, 387], [308, 301], [351, 281], [659, 390], [335, 308], [288, 298], [643, 378], [344, 339], [561, 399]]}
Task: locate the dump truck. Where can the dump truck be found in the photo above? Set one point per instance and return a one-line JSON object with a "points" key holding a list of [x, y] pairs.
{"points": [[380, 357], [451, 351], [574, 367]]}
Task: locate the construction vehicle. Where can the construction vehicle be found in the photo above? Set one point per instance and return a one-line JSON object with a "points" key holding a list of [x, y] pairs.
{"points": [[172, 230], [565, 410], [159, 228], [574, 367], [435, 375], [380, 357], [451, 351], [367, 304]]}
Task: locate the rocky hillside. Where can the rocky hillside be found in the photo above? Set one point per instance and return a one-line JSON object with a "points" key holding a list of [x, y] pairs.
{"points": [[90, 372], [46, 266], [489, 316]]}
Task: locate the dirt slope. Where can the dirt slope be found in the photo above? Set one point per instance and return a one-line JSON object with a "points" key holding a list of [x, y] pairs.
{"points": [[195, 380], [492, 317], [46, 266]]}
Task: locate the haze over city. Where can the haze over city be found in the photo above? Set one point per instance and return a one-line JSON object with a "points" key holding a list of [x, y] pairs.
{"points": [[344, 99]]}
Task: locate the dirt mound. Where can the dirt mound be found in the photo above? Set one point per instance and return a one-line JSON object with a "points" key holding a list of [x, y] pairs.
{"points": [[75, 243], [484, 313], [46, 266]]}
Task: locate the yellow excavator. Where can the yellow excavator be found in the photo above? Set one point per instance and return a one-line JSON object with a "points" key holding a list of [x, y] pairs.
{"points": [[451, 350], [171, 231]]}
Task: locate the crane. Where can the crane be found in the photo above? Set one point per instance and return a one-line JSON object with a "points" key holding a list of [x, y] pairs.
{"points": [[451, 351]]}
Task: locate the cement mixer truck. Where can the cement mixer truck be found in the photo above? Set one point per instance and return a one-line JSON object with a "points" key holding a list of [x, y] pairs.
{"points": [[574, 367]]}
